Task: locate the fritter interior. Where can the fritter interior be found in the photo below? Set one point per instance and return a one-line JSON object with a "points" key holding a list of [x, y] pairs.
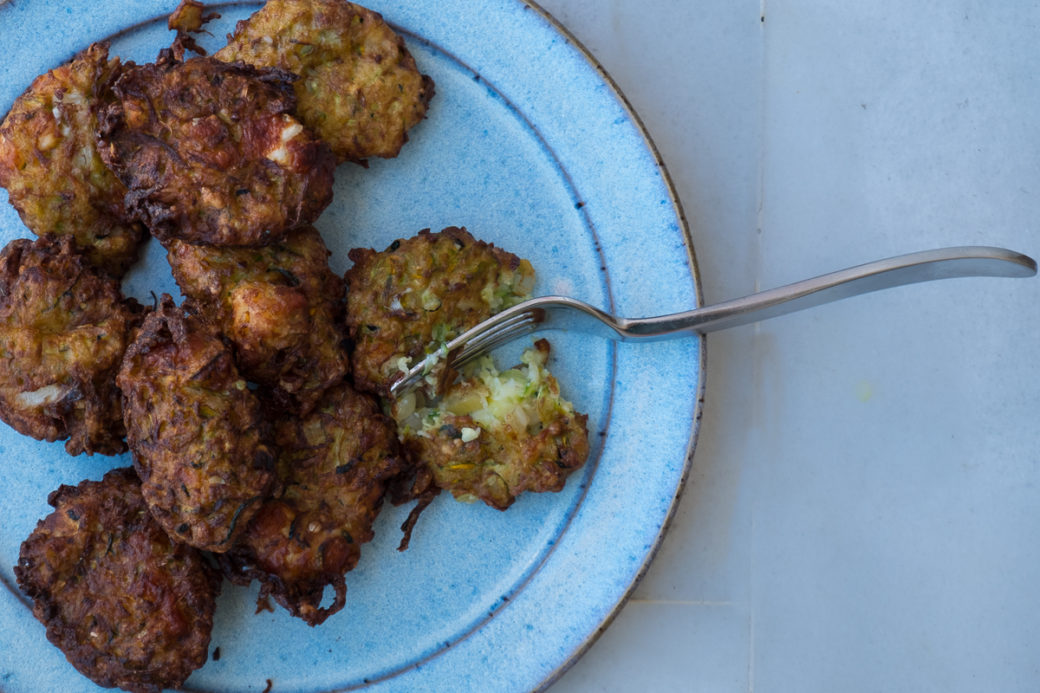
{"points": [[359, 87], [334, 466], [195, 430], [492, 436], [211, 152], [64, 327], [128, 606], [409, 300], [51, 168], [282, 307]]}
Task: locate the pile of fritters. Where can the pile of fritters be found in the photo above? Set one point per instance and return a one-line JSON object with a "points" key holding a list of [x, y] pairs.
{"points": [[257, 412]]}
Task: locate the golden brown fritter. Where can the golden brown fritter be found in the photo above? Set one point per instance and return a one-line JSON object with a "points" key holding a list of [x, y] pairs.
{"points": [[409, 300], [280, 305], [334, 466], [359, 87], [128, 606], [495, 435], [195, 430], [51, 168], [64, 326], [211, 153]]}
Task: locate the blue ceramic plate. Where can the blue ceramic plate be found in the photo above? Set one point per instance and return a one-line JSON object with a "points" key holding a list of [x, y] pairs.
{"points": [[528, 145]]}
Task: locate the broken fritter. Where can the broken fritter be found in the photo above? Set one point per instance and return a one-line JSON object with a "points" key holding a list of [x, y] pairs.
{"points": [[411, 299], [280, 305], [359, 87], [491, 436], [334, 466], [188, 18], [51, 168], [127, 606], [210, 152], [195, 430], [64, 326]]}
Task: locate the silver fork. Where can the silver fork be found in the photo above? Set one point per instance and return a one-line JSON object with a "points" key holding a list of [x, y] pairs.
{"points": [[563, 313]]}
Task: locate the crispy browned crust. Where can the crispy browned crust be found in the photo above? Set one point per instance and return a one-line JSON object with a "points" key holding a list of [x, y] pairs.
{"points": [[51, 168], [127, 606], [64, 326], [508, 459], [334, 466], [195, 430], [280, 305], [210, 152], [421, 292], [359, 87]]}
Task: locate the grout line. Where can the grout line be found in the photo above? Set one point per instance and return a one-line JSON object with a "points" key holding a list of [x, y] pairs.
{"points": [[755, 339]]}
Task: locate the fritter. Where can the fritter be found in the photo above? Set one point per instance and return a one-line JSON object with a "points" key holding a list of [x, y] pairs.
{"points": [[64, 326], [51, 168], [280, 305], [359, 87], [409, 300], [128, 606], [495, 435], [334, 466], [211, 153], [195, 430]]}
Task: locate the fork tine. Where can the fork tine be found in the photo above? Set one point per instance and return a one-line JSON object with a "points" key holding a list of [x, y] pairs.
{"points": [[514, 326], [487, 343], [405, 383], [474, 343]]}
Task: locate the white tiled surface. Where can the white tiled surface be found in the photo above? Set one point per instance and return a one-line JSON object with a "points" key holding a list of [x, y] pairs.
{"points": [[864, 504]]}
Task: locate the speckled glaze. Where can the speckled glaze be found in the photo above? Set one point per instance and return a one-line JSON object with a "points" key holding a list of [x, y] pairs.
{"points": [[529, 146]]}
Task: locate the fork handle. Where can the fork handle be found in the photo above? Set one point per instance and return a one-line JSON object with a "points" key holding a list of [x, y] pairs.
{"points": [[943, 263]]}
